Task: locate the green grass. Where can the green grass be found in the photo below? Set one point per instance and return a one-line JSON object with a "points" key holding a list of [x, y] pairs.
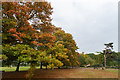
{"points": [[112, 70], [14, 68]]}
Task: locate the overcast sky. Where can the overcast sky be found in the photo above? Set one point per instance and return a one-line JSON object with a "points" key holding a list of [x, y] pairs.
{"points": [[91, 22]]}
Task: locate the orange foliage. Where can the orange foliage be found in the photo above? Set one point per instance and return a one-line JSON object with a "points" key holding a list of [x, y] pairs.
{"points": [[41, 44], [16, 36], [22, 34], [35, 43], [12, 30]]}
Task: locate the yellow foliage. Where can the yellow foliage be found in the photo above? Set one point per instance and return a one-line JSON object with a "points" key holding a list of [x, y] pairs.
{"points": [[60, 45], [59, 54], [67, 59], [48, 66], [61, 64], [71, 55], [56, 55], [52, 65], [49, 56], [65, 56], [49, 62], [65, 49]]}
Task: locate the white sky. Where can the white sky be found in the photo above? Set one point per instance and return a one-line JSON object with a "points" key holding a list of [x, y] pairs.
{"points": [[91, 22]]}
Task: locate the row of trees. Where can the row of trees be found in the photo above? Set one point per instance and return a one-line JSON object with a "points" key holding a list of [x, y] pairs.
{"points": [[112, 59], [28, 36]]}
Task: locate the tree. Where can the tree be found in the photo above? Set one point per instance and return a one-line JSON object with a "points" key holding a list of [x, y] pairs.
{"points": [[42, 23], [18, 30], [112, 59], [59, 52], [15, 26], [69, 43], [90, 61], [18, 53], [16, 18], [92, 55], [107, 51], [82, 60], [100, 58]]}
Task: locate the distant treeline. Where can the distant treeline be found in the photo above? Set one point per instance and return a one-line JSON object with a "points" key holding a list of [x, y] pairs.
{"points": [[112, 60]]}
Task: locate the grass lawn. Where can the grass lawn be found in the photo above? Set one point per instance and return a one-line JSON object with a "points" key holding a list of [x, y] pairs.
{"points": [[14, 68], [112, 70], [66, 73]]}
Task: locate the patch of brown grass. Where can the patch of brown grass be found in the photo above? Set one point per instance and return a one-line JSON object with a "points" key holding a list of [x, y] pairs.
{"points": [[64, 73]]}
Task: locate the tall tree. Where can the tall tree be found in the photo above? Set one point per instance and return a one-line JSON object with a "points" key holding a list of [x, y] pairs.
{"points": [[68, 43], [28, 23], [42, 23]]}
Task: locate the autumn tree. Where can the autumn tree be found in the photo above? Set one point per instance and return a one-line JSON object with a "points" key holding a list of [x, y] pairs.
{"points": [[59, 52], [17, 17], [29, 23], [16, 26], [29, 35], [69, 43], [41, 21]]}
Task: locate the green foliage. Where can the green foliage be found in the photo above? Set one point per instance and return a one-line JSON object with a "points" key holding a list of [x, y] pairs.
{"points": [[111, 60], [90, 61], [18, 52], [82, 60], [100, 59], [3, 57], [86, 59]]}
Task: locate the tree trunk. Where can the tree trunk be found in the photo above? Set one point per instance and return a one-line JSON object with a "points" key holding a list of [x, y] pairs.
{"points": [[58, 67], [41, 65], [105, 61], [66, 67], [105, 58], [46, 66], [18, 65]]}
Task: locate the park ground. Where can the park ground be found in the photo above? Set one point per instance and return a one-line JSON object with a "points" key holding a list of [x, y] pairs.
{"points": [[62, 73]]}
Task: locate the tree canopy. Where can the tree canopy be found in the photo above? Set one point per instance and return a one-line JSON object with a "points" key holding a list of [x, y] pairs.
{"points": [[30, 37]]}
